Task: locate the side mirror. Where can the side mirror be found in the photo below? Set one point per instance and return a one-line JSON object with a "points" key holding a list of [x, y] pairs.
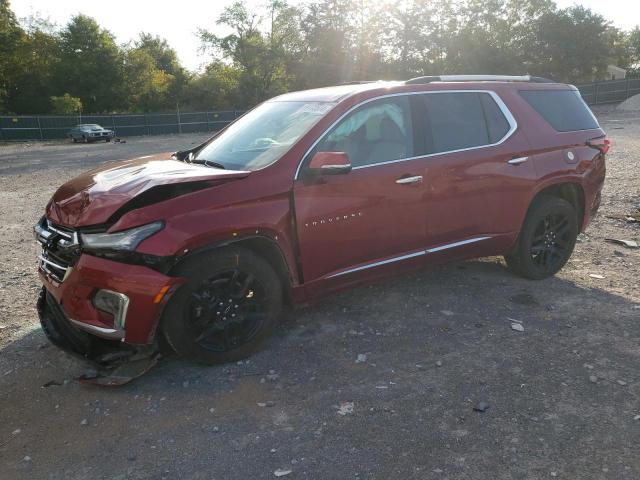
{"points": [[329, 163]]}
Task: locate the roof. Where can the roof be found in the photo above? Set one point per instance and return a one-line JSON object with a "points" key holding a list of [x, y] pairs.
{"points": [[337, 93], [332, 94]]}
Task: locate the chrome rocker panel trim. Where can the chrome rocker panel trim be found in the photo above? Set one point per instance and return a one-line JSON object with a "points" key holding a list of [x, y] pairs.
{"points": [[409, 255]]}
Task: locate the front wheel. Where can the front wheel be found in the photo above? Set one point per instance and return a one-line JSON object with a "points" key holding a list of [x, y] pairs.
{"points": [[547, 239], [229, 305]]}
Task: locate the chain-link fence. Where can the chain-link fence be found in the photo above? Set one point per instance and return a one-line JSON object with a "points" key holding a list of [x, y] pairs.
{"points": [[610, 91], [44, 127]]}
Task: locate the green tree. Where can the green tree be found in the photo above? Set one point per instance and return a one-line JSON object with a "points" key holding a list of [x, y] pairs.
{"points": [[571, 45], [166, 60], [263, 58], [214, 89], [146, 86], [65, 105], [38, 54], [90, 65], [11, 36], [633, 49]]}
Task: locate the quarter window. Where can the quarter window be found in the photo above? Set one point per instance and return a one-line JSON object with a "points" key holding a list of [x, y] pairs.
{"points": [[563, 109], [379, 131], [460, 120], [497, 125]]}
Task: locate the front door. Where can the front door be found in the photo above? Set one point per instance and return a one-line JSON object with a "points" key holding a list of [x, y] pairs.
{"points": [[373, 215]]}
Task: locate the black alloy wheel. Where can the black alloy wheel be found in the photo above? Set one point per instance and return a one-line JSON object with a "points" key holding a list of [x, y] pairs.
{"points": [[546, 240], [551, 241], [229, 305], [227, 310]]}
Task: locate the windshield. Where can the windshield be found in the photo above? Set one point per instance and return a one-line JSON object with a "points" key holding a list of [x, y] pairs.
{"points": [[263, 135]]}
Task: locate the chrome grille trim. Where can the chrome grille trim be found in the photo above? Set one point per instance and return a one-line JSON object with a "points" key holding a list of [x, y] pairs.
{"points": [[56, 258]]}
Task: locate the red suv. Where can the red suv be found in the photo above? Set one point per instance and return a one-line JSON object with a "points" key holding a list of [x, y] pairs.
{"points": [[309, 193]]}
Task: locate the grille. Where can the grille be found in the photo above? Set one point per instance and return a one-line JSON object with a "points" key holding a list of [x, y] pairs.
{"points": [[59, 249]]}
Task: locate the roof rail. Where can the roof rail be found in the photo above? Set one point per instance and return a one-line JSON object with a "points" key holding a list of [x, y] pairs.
{"points": [[360, 82], [478, 78]]}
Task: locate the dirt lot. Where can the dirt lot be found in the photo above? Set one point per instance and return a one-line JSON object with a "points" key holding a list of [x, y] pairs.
{"points": [[564, 395]]}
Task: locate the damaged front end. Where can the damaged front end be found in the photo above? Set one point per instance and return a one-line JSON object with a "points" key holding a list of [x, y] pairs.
{"points": [[112, 362]]}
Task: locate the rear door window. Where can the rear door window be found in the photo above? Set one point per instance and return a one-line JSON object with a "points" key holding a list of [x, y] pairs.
{"points": [[461, 120], [564, 110], [497, 124]]}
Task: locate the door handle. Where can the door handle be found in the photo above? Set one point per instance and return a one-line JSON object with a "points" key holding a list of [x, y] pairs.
{"points": [[409, 180], [518, 161]]}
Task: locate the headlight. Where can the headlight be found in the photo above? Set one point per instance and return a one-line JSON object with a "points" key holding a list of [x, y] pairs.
{"points": [[126, 241]]}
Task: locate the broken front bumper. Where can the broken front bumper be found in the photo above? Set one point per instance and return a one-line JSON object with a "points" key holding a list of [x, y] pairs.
{"points": [[113, 362], [146, 292]]}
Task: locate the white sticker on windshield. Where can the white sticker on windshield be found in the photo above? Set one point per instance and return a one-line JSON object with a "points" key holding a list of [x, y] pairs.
{"points": [[316, 108]]}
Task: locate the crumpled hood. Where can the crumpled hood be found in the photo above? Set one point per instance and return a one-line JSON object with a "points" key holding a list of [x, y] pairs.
{"points": [[94, 196]]}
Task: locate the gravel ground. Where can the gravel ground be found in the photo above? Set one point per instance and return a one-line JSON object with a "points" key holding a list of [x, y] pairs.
{"points": [[378, 382]]}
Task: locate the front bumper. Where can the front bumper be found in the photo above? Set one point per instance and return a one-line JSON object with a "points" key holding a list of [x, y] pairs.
{"points": [[142, 287], [102, 135], [113, 362]]}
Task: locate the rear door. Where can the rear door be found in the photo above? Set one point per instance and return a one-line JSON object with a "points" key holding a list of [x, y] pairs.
{"points": [[372, 217], [477, 174]]}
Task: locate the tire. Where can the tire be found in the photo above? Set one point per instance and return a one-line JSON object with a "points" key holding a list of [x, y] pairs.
{"points": [[546, 240], [75, 140], [229, 305], [107, 140], [85, 139]]}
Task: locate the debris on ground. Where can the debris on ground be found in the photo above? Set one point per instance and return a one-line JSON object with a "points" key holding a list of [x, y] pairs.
{"points": [[593, 379], [631, 217], [626, 243], [597, 276], [282, 472], [518, 327], [52, 383], [438, 363], [362, 358], [346, 408], [481, 407]]}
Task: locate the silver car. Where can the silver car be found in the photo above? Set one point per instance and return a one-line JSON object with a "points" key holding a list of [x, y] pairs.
{"points": [[90, 132]]}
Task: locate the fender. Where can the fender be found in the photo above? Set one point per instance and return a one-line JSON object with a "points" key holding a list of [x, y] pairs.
{"points": [[273, 239]]}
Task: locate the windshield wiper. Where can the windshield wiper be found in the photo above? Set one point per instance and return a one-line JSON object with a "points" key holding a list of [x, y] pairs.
{"points": [[209, 163]]}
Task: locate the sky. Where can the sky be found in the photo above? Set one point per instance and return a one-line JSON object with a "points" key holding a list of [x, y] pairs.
{"points": [[179, 21]]}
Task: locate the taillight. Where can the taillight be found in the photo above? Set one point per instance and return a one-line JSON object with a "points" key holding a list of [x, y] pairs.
{"points": [[601, 143]]}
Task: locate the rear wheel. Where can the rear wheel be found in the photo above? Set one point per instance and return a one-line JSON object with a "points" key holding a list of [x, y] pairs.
{"points": [[227, 308], [547, 239]]}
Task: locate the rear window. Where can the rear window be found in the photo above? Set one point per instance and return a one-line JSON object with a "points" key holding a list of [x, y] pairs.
{"points": [[461, 120], [563, 109]]}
